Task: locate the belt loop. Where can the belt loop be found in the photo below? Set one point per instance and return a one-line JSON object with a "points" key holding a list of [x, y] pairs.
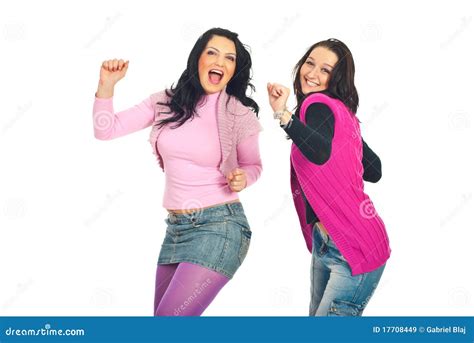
{"points": [[229, 207]]}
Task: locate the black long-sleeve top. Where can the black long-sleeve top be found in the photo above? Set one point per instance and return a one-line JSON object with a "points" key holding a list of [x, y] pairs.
{"points": [[314, 140]]}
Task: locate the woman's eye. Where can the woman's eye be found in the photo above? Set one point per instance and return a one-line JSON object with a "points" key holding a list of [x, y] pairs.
{"points": [[231, 58], [325, 70], [309, 63], [210, 52]]}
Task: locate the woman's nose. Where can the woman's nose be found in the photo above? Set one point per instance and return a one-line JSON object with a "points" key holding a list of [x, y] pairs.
{"points": [[313, 74], [220, 61]]}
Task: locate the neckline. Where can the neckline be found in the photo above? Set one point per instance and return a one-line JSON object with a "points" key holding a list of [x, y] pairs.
{"points": [[209, 99]]}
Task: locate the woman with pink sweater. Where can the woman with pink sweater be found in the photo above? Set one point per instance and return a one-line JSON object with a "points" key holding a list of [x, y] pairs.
{"points": [[329, 161], [204, 134]]}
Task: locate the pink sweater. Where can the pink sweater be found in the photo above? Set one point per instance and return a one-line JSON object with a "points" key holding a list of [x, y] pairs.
{"points": [[335, 190], [192, 153], [235, 122]]}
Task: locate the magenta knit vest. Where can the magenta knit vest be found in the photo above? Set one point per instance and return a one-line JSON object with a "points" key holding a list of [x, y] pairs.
{"points": [[335, 191]]}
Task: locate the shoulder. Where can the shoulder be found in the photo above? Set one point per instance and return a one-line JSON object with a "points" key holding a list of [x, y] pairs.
{"points": [[244, 119], [160, 96], [323, 102], [319, 115], [232, 106], [158, 101], [318, 98], [319, 108], [244, 114]]}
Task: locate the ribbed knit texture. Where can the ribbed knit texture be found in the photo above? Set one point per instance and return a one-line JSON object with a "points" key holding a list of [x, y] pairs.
{"points": [[335, 191], [235, 121]]}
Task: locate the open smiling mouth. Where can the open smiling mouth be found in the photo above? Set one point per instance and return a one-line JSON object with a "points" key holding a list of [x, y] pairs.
{"points": [[311, 83], [215, 76]]}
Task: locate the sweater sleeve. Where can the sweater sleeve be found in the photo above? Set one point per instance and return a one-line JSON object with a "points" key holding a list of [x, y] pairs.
{"points": [[109, 124], [248, 155], [314, 140], [372, 164]]}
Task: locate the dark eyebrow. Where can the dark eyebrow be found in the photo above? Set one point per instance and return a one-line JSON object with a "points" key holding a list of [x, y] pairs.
{"points": [[229, 53], [330, 66]]}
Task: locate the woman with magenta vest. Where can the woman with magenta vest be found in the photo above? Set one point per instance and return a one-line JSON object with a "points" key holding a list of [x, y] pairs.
{"points": [[329, 161], [204, 133]]}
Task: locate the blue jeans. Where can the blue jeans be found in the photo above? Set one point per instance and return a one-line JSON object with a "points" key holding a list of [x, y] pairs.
{"points": [[334, 291]]}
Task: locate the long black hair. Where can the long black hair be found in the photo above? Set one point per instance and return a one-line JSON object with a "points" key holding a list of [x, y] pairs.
{"points": [[186, 94], [341, 82]]}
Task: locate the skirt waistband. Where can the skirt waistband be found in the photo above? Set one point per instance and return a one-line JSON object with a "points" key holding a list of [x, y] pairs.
{"points": [[215, 211]]}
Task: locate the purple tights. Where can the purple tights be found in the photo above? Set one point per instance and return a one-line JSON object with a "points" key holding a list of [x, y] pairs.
{"points": [[185, 289]]}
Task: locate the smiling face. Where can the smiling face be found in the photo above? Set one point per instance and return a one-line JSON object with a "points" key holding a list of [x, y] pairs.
{"points": [[316, 70], [217, 64]]}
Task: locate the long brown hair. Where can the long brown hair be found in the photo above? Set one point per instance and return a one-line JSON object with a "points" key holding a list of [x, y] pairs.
{"points": [[341, 82]]}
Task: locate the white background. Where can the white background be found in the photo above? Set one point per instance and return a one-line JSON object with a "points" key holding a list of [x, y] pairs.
{"points": [[81, 221]]}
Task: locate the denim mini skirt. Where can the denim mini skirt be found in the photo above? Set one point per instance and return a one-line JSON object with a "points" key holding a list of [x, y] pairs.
{"points": [[217, 238]]}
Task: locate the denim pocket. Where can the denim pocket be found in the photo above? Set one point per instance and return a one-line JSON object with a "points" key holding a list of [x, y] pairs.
{"points": [[246, 235]]}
